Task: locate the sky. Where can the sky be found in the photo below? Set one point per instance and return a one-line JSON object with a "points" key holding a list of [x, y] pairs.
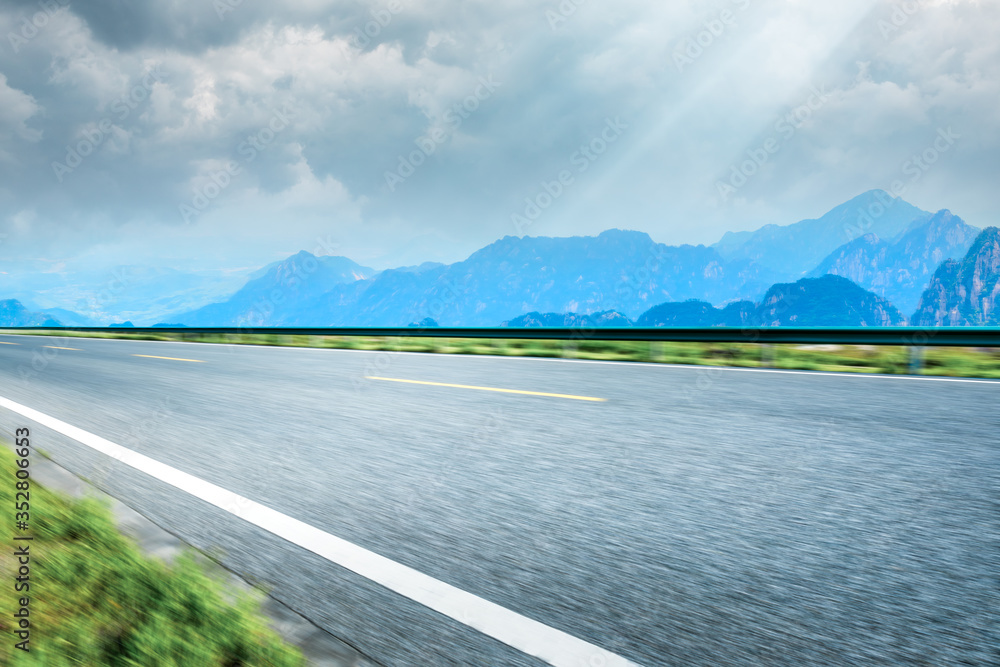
{"points": [[227, 134]]}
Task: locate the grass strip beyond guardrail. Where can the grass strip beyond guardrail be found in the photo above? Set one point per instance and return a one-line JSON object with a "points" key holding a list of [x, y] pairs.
{"points": [[96, 600], [979, 362]]}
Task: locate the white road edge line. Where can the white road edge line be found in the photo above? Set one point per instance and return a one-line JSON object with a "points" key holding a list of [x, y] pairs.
{"points": [[648, 364], [520, 632]]}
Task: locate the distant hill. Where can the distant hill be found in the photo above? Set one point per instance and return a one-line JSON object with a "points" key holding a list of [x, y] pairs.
{"points": [[70, 318], [142, 294], [829, 301], [420, 268], [607, 318], [694, 313], [617, 270], [791, 251], [14, 314], [965, 292], [283, 292], [899, 269]]}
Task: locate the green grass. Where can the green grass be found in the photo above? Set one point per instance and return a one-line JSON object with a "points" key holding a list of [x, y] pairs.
{"points": [[95, 599], [951, 361]]}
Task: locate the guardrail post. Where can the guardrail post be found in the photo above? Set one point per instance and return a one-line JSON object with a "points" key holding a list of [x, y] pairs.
{"points": [[916, 359], [766, 355]]}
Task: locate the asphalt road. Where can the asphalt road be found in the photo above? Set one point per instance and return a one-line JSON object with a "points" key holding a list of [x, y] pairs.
{"points": [[692, 516]]}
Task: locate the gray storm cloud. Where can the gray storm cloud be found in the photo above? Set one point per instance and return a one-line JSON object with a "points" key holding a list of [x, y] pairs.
{"points": [[231, 133]]}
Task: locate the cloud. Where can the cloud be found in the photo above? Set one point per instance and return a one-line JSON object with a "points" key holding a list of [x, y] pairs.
{"points": [[363, 83], [16, 108]]}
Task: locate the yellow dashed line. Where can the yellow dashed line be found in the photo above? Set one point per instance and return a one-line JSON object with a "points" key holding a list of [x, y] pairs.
{"points": [[56, 347], [505, 391], [3, 342], [151, 356]]}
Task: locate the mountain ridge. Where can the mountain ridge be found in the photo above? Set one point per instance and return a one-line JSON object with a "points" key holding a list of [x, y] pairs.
{"points": [[792, 250], [899, 269], [300, 276], [621, 270], [14, 314], [826, 301], [965, 292]]}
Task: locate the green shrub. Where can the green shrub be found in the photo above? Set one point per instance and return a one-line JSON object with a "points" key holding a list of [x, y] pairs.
{"points": [[96, 600]]}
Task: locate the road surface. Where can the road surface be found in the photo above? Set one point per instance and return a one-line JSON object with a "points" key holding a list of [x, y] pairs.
{"points": [[656, 515]]}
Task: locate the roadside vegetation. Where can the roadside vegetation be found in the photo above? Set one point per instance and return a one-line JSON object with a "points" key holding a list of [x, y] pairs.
{"points": [[944, 361], [95, 599]]}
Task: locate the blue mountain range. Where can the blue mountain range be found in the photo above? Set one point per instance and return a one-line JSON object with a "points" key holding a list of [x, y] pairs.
{"points": [[884, 246], [619, 271]]}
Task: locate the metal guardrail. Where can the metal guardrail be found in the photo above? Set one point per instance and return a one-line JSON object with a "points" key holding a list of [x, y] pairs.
{"points": [[909, 336]]}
